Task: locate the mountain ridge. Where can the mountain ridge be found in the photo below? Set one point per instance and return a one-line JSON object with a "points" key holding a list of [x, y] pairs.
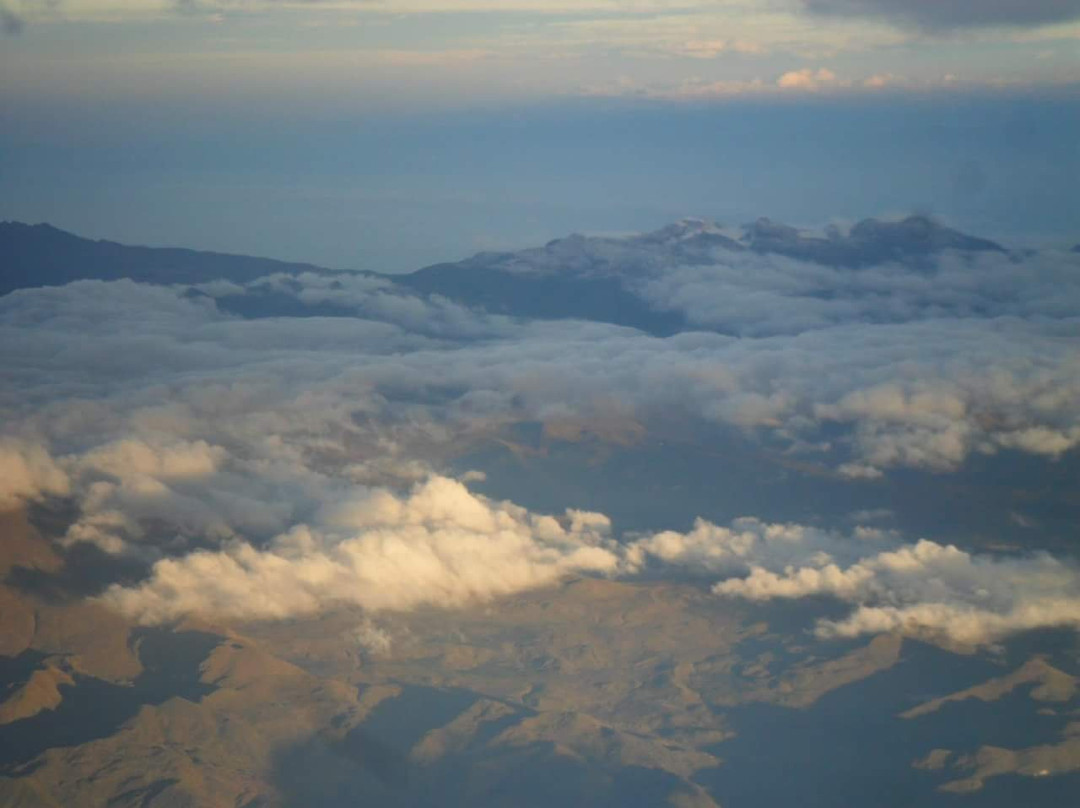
{"points": [[869, 241], [44, 255], [596, 278]]}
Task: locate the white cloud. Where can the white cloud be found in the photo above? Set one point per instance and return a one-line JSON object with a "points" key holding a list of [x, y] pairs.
{"points": [[715, 548], [963, 624], [808, 79], [1041, 440], [259, 463], [905, 367], [859, 471], [925, 589], [27, 472], [928, 590], [440, 545], [371, 638], [132, 459], [880, 80]]}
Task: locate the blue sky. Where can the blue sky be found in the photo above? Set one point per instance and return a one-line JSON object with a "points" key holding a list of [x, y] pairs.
{"points": [[391, 134]]}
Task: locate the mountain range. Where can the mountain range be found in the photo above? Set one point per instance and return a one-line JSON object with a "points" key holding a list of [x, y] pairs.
{"points": [[577, 277]]}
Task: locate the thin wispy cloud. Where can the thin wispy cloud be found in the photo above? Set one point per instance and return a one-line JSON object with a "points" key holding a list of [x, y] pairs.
{"points": [[950, 15]]}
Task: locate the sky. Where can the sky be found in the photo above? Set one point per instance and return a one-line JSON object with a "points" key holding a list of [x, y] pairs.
{"points": [[390, 135]]}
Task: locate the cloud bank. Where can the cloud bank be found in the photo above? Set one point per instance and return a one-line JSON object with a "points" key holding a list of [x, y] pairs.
{"points": [[275, 448], [889, 365], [928, 590], [28, 474], [924, 589], [440, 545]]}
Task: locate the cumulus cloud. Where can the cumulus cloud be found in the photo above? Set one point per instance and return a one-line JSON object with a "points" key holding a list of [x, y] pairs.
{"points": [[931, 375], [927, 590], [880, 80], [442, 545], [269, 465], [372, 639], [28, 473], [898, 365], [936, 364], [131, 459], [439, 545], [130, 487], [715, 548], [807, 79], [923, 589], [939, 15]]}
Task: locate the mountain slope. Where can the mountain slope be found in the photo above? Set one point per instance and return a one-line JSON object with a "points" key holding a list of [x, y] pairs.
{"points": [[598, 278], [42, 255]]}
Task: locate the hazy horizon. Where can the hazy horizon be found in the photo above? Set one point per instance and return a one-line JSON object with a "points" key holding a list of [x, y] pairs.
{"points": [[391, 136], [402, 192]]}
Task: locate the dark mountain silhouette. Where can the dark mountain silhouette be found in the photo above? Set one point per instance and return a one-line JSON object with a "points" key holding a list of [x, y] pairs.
{"points": [[577, 277], [870, 242], [545, 297], [43, 255]]}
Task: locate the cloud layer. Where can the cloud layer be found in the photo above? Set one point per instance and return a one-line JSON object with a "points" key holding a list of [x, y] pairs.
{"points": [[928, 590], [441, 545], [891, 365], [267, 465], [923, 589]]}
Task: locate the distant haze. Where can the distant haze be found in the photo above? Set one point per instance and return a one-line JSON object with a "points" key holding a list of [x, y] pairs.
{"points": [[407, 190]]}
